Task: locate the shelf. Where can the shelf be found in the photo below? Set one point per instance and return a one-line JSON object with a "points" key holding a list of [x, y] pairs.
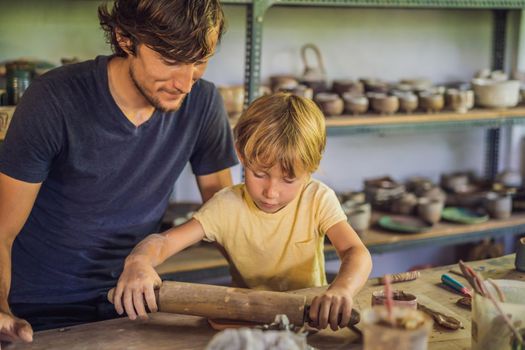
{"points": [[450, 4], [205, 261], [375, 123]]}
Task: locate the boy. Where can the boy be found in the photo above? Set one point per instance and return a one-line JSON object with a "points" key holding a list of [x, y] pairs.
{"points": [[272, 226]]}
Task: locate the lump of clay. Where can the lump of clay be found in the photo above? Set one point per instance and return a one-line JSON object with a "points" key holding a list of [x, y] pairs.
{"points": [[256, 339]]}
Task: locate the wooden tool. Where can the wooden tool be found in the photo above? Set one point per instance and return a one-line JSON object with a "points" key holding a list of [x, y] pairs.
{"points": [[239, 304]]}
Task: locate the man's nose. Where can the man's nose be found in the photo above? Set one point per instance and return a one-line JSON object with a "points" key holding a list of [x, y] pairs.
{"points": [[183, 77]]}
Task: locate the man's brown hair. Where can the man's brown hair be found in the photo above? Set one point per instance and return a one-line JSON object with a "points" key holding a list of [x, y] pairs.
{"points": [[177, 29]]}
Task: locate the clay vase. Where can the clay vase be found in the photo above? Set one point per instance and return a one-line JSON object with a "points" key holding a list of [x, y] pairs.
{"points": [[498, 206], [329, 103], [355, 104], [384, 104], [430, 209], [233, 97]]}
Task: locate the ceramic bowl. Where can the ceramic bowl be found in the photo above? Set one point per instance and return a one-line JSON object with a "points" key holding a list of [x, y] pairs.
{"points": [[329, 103], [384, 104], [355, 104], [405, 204], [496, 94]]}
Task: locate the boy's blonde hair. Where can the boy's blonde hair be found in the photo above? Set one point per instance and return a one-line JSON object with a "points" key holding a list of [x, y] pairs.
{"points": [[281, 129]]}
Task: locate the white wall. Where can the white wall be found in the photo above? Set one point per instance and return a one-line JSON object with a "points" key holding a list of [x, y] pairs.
{"points": [[442, 45]]}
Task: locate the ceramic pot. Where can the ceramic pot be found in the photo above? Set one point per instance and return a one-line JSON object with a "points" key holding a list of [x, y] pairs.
{"points": [[405, 204], [408, 102], [330, 103], [359, 220], [342, 87], [457, 100], [384, 104], [430, 209], [355, 104], [431, 102], [283, 82], [496, 94], [498, 206]]}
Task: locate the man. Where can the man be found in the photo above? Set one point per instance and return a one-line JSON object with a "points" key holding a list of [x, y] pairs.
{"points": [[92, 154]]}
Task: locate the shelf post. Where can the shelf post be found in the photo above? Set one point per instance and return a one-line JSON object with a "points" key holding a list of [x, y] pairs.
{"points": [[254, 26], [498, 63]]}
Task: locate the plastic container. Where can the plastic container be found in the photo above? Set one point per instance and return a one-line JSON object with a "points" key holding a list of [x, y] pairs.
{"points": [[377, 336], [489, 331]]}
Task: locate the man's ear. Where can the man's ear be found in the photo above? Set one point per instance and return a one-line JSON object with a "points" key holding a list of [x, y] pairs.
{"points": [[124, 42]]}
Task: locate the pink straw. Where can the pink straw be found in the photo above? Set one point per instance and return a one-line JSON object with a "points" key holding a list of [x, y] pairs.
{"points": [[389, 298]]}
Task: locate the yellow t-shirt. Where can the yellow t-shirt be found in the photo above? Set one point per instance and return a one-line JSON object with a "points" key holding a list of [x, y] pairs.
{"points": [[280, 251]]}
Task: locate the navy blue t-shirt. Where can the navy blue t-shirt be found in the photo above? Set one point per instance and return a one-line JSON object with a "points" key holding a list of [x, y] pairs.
{"points": [[106, 182]]}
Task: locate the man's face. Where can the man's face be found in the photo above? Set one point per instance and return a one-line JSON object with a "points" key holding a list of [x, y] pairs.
{"points": [[164, 83]]}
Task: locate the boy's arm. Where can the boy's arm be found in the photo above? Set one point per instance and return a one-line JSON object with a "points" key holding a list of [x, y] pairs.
{"points": [[334, 306], [139, 278]]}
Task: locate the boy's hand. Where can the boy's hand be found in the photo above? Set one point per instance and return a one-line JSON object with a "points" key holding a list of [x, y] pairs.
{"points": [[136, 284], [13, 328], [333, 307]]}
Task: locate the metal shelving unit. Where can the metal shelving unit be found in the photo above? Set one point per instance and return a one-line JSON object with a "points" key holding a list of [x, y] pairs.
{"points": [[492, 120]]}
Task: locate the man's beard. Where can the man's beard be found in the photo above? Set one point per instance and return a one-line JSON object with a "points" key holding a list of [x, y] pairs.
{"points": [[155, 102]]}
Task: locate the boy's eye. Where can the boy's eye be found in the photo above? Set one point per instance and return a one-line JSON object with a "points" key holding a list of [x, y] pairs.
{"points": [[258, 175], [289, 181]]}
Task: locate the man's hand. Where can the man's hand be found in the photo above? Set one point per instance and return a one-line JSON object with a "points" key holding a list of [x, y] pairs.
{"points": [[136, 284], [13, 328], [333, 307]]}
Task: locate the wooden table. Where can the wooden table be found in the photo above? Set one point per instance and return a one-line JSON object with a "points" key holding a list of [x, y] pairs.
{"points": [[167, 331]]}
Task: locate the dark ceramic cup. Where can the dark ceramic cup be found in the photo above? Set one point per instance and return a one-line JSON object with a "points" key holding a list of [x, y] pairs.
{"points": [[520, 255]]}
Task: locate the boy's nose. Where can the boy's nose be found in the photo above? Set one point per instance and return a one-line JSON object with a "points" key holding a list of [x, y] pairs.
{"points": [[271, 192]]}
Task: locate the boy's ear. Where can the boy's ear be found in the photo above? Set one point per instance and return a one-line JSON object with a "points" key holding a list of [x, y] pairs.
{"points": [[241, 159]]}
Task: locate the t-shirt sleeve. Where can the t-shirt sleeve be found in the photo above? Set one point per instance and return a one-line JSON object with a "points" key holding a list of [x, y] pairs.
{"points": [[210, 217], [214, 150], [34, 137], [330, 210]]}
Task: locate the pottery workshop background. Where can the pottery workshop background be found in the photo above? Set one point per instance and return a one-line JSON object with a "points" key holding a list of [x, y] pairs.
{"points": [[440, 45]]}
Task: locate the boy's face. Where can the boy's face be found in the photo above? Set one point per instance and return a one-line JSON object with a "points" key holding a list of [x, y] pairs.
{"points": [[271, 190]]}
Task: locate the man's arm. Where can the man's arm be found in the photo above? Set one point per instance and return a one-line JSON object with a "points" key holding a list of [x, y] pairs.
{"points": [[16, 201], [212, 183]]}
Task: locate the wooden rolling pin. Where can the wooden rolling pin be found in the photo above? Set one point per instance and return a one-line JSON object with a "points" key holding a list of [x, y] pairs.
{"points": [[237, 304]]}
